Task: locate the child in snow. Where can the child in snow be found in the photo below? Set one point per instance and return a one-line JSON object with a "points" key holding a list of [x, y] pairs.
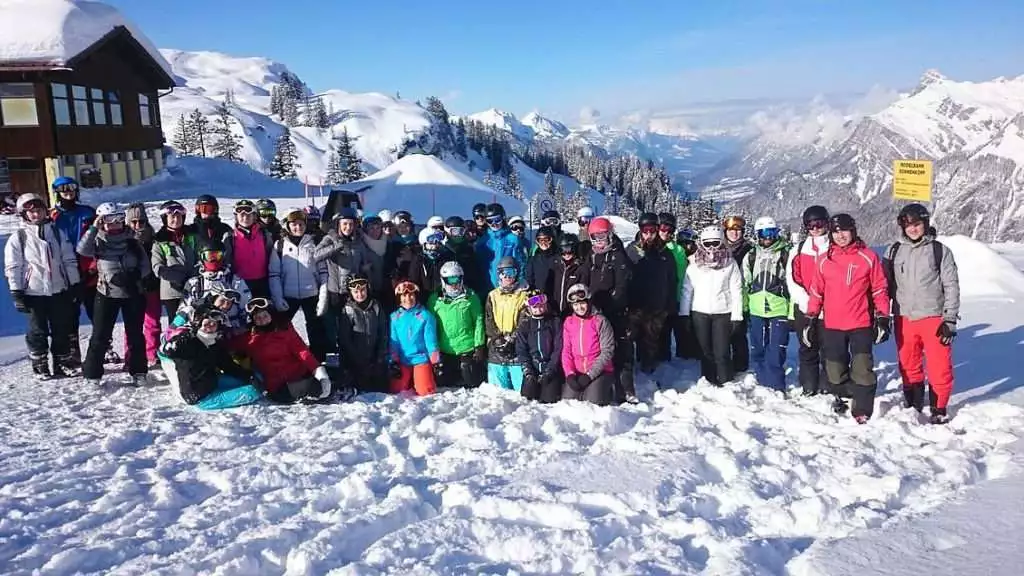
{"points": [[415, 356], [363, 338], [197, 362], [227, 301], [713, 299], [588, 351], [42, 273], [504, 306], [539, 350], [296, 277], [765, 270], [460, 320], [123, 269]]}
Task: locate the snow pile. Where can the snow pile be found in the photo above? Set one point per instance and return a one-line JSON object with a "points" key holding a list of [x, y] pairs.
{"points": [[51, 32], [425, 185], [983, 272]]}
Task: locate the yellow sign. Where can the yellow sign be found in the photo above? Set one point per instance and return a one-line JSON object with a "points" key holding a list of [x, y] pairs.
{"points": [[912, 180]]}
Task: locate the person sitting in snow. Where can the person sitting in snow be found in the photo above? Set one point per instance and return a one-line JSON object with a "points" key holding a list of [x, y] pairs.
{"points": [[588, 351], [227, 301], [288, 369], [504, 307], [214, 272], [196, 361], [363, 338], [539, 350], [415, 355]]}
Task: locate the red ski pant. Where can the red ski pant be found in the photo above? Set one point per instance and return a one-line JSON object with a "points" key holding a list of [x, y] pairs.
{"points": [[919, 349], [419, 378]]}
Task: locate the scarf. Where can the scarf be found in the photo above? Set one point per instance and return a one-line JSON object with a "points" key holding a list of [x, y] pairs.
{"points": [[207, 338], [712, 258], [379, 246]]}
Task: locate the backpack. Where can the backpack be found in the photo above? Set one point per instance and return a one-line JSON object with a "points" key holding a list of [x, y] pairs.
{"points": [[890, 263]]}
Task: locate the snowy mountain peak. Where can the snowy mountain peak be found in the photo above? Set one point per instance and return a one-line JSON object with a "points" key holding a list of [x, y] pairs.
{"points": [[544, 127], [930, 77], [502, 120]]}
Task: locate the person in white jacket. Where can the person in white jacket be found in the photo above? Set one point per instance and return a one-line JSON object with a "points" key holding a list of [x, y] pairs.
{"points": [[712, 296], [296, 278], [42, 272]]}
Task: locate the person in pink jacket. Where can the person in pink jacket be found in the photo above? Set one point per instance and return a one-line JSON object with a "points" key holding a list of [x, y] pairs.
{"points": [[250, 245], [588, 346]]}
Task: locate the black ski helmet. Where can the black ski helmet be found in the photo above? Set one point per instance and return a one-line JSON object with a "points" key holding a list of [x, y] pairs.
{"points": [[545, 232], [479, 209], [813, 213], [551, 214], [208, 199], [568, 242], [455, 222], [843, 222], [667, 219], [912, 214], [648, 219], [495, 209]]}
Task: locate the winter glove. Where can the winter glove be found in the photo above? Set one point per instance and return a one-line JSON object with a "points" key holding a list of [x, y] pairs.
{"points": [[18, 298], [573, 381], [946, 333], [76, 291], [325, 382], [395, 371], [321, 301], [150, 283], [177, 286], [882, 327], [281, 306], [438, 370], [582, 381]]}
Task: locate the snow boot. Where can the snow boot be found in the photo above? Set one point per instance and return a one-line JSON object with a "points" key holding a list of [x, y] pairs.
{"points": [[94, 382], [632, 399], [939, 416], [346, 393], [139, 380], [112, 357], [62, 367], [840, 406], [41, 367], [75, 355], [913, 396], [862, 419]]}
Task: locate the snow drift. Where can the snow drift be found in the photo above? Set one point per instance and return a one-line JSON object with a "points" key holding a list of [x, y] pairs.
{"points": [[983, 272]]}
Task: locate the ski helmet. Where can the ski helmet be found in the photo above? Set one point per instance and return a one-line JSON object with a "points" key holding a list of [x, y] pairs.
{"points": [[912, 214], [312, 213], [245, 207], [479, 209], [435, 222], [648, 219], [356, 280], [841, 222], [495, 209], [295, 215], [599, 226], [402, 216], [266, 208], [346, 213], [545, 232], [516, 220], [384, 215], [508, 263], [551, 218], [25, 201], [109, 211], [667, 219], [568, 243], [207, 204], [734, 223], [451, 269], [766, 228], [578, 293], [815, 214], [711, 236], [171, 207], [585, 212]]}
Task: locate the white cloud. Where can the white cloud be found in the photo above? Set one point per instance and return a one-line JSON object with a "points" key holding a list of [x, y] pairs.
{"points": [[589, 115]]}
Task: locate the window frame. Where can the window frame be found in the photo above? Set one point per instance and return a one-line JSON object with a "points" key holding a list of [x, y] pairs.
{"points": [[57, 99], [114, 100], [145, 110], [30, 96], [84, 99]]}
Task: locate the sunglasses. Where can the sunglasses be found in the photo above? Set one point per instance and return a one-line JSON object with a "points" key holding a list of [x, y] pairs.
{"points": [[666, 228], [406, 288], [816, 223], [517, 228], [538, 300], [244, 209], [257, 304], [495, 220], [550, 222], [453, 280], [456, 231], [575, 297], [648, 229], [213, 256]]}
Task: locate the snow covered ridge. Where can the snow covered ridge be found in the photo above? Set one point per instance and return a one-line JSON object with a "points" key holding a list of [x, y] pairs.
{"points": [[52, 32]]}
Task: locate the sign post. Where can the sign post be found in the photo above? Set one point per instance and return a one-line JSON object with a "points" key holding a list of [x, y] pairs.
{"points": [[912, 180]]}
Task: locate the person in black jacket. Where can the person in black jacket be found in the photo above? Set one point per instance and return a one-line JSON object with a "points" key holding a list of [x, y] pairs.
{"points": [[426, 272], [567, 270], [739, 246], [461, 250], [207, 228], [539, 350], [610, 274], [653, 298], [539, 268], [363, 339]]}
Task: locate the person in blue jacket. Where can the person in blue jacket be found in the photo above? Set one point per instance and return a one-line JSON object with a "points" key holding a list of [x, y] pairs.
{"points": [[73, 219], [498, 242], [415, 353]]}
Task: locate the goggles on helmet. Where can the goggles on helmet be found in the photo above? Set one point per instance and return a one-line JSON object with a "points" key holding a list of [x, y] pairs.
{"points": [[67, 189], [508, 272], [113, 218], [206, 209], [768, 233], [244, 209], [552, 221], [453, 280], [816, 223], [495, 220], [456, 231], [537, 300], [648, 229], [228, 294], [600, 237], [213, 256], [358, 283], [517, 227], [406, 287], [173, 209], [666, 228], [257, 304], [577, 296]]}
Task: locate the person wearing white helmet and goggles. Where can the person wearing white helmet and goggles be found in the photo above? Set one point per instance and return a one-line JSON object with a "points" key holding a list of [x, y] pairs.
{"points": [[765, 270]]}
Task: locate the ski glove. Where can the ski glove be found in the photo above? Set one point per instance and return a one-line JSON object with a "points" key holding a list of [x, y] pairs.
{"points": [[325, 382], [582, 381], [281, 306], [18, 298], [946, 333], [438, 370], [395, 371], [882, 329], [480, 354]]}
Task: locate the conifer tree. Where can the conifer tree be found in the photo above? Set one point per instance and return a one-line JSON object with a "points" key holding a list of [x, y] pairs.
{"points": [[181, 141], [335, 167], [319, 117], [198, 128], [283, 164], [460, 139], [226, 144], [276, 101]]}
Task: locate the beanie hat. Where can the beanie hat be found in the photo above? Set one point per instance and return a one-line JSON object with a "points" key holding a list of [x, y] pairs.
{"points": [[136, 211]]}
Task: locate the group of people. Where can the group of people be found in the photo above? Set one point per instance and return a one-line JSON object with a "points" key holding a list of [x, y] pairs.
{"points": [[466, 301]]}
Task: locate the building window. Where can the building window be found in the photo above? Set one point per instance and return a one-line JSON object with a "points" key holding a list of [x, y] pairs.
{"points": [[61, 104], [144, 110], [115, 109], [99, 109], [18, 105], [81, 98]]}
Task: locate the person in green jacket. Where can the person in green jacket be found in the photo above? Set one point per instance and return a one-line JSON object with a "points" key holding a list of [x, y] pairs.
{"points": [[767, 299], [678, 326], [460, 329]]}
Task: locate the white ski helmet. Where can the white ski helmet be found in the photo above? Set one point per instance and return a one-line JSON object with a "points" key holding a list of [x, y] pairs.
{"points": [[23, 201], [516, 219], [109, 209], [764, 223], [585, 212], [711, 233], [435, 222], [384, 215], [450, 269]]}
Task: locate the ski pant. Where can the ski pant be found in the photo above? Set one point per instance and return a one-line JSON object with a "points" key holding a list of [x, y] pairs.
{"points": [[461, 370], [87, 300], [646, 327], [259, 288], [316, 332], [547, 390], [105, 313], [740, 347], [367, 378], [150, 330], [418, 378], [171, 307], [917, 340], [229, 393], [623, 358], [507, 376], [677, 328], [769, 339], [49, 325], [599, 391], [296, 390], [714, 337], [812, 376], [849, 363]]}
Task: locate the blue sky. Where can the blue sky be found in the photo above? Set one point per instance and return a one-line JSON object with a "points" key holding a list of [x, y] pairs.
{"points": [[561, 56]]}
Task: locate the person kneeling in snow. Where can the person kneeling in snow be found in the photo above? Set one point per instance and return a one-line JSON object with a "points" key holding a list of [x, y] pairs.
{"points": [[539, 350], [415, 355], [223, 299], [196, 360], [588, 348], [214, 274], [290, 372]]}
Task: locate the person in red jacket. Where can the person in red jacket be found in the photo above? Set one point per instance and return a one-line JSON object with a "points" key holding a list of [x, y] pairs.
{"points": [[850, 286], [290, 372]]}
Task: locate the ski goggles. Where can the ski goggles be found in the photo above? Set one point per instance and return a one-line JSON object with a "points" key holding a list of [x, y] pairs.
{"points": [[768, 233], [570, 249], [358, 283], [666, 228], [550, 221], [456, 232], [495, 220], [215, 317], [517, 228], [544, 239], [735, 223], [206, 209], [584, 220], [244, 209], [648, 229], [711, 244], [453, 280], [600, 237], [537, 300], [257, 304], [213, 256], [407, 287], [169, 210], [268, 212], [577, 296], [508, 272], [816, 224], [67, 189], [227, 294], [34, 205], [113, 218]]}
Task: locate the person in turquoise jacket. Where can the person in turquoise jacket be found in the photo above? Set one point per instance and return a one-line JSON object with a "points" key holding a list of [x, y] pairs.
{"points": [[767, 299], [414, 350], [498, 242]]}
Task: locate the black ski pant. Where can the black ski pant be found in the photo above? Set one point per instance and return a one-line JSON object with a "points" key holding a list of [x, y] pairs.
{"points": [[850, 365], [599, 391], [461, 370], [646, 327], [49, 326], [740, 347], [86, 299], [259, 288], [105, 311], [812, 361], [623, 357], [546, 390], [315, 329], [714, 336], [677, 328], [171, 306], [291, 392]]}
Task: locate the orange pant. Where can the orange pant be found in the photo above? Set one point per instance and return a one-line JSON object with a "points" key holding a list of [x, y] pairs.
{"points": [[419, 378], [914, 337]]}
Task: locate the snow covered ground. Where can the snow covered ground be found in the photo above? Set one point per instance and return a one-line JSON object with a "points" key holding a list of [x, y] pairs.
{"points": [[697, 480]]}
